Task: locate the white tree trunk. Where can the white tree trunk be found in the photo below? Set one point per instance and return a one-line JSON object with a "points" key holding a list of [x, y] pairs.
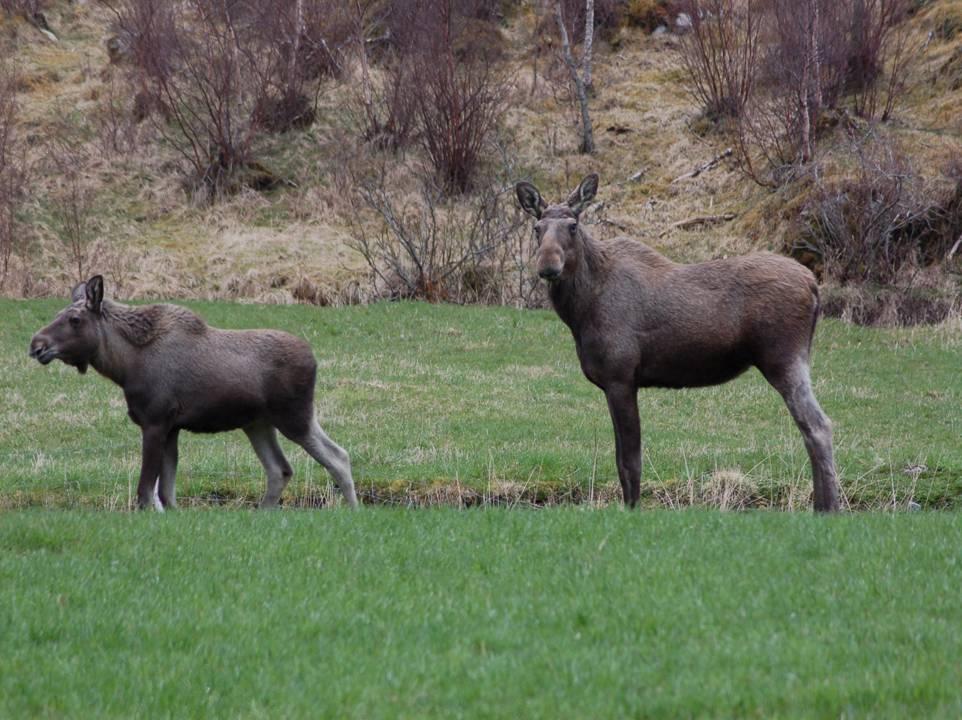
{"points": [[296, 41], [589, 41], [581, 92]]}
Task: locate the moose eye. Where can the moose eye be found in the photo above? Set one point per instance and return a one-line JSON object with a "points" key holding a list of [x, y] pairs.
{"points": [[75, 321], [572, 227]]}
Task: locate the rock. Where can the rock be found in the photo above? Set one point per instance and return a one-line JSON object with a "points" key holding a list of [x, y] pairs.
{"points": [[39, 21], [683, 22], [118, 47], [660, 30]]}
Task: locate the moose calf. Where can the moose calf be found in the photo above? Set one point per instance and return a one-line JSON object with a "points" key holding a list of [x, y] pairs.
{"points": [[178, 373], [640, 320]]}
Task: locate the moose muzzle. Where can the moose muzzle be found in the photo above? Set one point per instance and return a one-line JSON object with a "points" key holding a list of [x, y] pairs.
{"points": [[41, 351]]}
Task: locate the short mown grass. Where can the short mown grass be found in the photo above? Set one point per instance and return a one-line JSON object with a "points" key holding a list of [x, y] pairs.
{"points": [[467, 405], [556, 613]]}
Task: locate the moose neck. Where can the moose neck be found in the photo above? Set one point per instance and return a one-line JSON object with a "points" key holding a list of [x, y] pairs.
{"points": [[113, 354], [109, 360], [573, 295]]}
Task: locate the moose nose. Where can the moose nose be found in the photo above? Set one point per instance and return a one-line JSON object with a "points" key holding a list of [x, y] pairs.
{"points": [[549, 273], [37, 346]]}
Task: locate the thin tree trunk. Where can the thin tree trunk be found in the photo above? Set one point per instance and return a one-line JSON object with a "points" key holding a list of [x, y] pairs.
{"points": [[295, 44], [808, 83], [368, 90], [806, 122], [589, 42], [816, 57], [587, 137]]}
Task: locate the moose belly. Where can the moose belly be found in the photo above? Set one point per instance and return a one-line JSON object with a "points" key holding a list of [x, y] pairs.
{"points": [[696, 368], [227, 414]]}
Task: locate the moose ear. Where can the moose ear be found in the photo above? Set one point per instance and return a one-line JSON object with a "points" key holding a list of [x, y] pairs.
{"points": [[79, 292], [530, 199], [95, 293], [583, 194]]}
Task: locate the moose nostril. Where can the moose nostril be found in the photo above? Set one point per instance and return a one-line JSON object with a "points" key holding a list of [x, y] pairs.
{"points": [[549, 273]]}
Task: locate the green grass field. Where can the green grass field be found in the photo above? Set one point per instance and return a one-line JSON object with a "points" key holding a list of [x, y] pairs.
{"points": [[558, 613], [565, 612], [444, 404]]}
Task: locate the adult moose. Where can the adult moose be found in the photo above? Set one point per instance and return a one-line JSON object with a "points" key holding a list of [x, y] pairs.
{"points": [[641, 320], [178, 373]]}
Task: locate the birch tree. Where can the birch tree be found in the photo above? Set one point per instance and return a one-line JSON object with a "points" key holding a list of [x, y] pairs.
{"points": [[580, 71]]}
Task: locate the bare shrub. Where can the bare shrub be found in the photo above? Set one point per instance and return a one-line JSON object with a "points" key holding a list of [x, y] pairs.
{"points": [[114, 119], [297, 42], [879, 55], [383, 108], [459, 104], [883, 225], [212, 76], [439, 85], [192, 71], [720, 53], [756, 63], [387, 108], [778, 66], [824, 52], [423, 247], [325, 32], [13, 172], [71, 200], [387, 117]]}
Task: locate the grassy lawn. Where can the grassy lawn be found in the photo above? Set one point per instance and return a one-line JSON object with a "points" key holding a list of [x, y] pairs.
{"points": [[445, 403], [561, 612], [564, 612]]}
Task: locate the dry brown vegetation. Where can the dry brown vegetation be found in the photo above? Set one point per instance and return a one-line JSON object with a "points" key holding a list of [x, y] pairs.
{"points": [[339, 105], [13, 174], [798, 87]]}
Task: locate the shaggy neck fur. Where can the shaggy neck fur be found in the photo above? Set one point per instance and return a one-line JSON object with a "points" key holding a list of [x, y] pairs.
{"points": [[124, 330]]}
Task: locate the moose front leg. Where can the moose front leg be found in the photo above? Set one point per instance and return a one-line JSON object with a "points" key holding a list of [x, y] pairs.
{"points": [[152, 457], [623, 406]]}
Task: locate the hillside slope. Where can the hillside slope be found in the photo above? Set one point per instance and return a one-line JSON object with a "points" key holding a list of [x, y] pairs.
{"points": [[155, 242]]}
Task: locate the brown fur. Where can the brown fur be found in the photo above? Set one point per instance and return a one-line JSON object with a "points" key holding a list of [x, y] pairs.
{"points": [[640, 320], [142, 325], [177, 373]]}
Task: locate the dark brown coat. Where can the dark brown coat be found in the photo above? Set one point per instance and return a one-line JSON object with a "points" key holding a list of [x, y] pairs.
{"points": [[177, 373], [640, 320]]}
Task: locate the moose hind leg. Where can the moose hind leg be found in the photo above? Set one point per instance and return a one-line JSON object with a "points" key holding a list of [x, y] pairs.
{"points": [[168, 472], [796, 389], [152, 457], [264, 440], [332, 456]]}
